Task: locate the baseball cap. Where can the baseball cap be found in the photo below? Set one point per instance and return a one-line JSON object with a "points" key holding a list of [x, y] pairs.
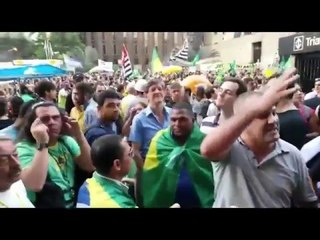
{"points": [[140, 85]]}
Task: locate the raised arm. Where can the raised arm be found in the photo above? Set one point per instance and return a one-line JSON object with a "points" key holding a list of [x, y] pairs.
{"points": [[218, 142]]}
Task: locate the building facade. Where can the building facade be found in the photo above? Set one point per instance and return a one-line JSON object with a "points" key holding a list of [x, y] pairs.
{"points": [[246, 47], [304, 47], [139, 45]]}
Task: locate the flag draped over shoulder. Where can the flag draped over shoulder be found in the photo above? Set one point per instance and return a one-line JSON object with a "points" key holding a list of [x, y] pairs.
{"points": [[163, 164]]}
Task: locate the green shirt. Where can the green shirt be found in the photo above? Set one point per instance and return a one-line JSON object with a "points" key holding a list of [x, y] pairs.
{"points": [[26, 97], [61, 164]]}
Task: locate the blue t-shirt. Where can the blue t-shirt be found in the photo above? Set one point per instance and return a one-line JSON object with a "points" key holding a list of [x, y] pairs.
{"points": [[186, 195], [11, 132]]}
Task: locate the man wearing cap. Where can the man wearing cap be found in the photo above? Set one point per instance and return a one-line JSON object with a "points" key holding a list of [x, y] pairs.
{"points": [[315, 101], [140, 89]]}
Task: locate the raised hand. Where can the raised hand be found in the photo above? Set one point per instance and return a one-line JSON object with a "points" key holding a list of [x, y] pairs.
{"points": [[39, 131]]}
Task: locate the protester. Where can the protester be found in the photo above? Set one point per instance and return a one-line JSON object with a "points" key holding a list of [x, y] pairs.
{"points": [[48, 156], [176, 94], [13, 130], [63, 94], [5, 121], [290, 118], [14, 105], [227, 94], [12, 191], [174, 170], [147, 123], [108, 120], [314, 101], [47, 91], [77, 112], [253, 167]]}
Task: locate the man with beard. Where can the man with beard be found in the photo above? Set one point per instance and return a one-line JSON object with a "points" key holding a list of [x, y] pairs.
{"points": [[48, 155], [108, 110], [254, 168], [12, 191], [174, 170]]}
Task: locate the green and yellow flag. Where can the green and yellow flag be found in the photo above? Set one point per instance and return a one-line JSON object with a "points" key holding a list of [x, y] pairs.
{"points": [[156, 65], [164, 163]]}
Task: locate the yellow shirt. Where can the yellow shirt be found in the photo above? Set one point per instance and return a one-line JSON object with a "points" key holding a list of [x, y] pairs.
{"points": [[78, 115]]}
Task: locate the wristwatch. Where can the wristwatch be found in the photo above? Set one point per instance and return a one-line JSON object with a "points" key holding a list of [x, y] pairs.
{"points": [[41, 146]]}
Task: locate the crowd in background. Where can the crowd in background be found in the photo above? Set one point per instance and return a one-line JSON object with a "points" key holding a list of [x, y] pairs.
{"points": [[95, 140]]}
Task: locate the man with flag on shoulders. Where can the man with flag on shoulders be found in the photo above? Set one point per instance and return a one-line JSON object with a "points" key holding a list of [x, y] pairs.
{"points": [[174, 170], [111, 156]]}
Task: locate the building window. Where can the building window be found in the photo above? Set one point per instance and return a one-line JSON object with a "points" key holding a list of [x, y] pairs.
{"points": [[135, 45], [256, 49], [237, 34], [114, 48], [104, 49]]}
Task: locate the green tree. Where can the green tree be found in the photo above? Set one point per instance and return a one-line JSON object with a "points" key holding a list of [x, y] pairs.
{"points": [[22, 48], [62, 43]]}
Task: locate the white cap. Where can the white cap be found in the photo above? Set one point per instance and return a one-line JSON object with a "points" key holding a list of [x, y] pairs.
{"points": [[140, 85], [130, 85]]}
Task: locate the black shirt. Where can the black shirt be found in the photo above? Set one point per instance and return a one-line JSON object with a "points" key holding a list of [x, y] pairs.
{"points": [[5, 123], [69, 103], [293, 128], [312, 102]]}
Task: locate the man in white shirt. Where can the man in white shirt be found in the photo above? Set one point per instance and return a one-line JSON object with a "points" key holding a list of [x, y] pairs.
{"points": [[12, 191]]}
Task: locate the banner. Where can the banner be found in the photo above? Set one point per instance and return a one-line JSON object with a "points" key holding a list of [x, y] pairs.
{"points": [[106, 65], [53, 62]]}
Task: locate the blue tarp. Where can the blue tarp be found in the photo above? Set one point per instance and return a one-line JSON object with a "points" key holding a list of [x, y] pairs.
{"points": [[43, 70]]}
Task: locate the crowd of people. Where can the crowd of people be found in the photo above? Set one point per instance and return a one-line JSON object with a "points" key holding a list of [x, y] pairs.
{"points": [[91, 141]]}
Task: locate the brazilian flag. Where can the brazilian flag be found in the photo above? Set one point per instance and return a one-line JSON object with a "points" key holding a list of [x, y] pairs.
{"points": [[167, 161]]}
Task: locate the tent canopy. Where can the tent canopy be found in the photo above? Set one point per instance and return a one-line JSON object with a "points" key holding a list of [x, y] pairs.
{"points": [[42, 70]]}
